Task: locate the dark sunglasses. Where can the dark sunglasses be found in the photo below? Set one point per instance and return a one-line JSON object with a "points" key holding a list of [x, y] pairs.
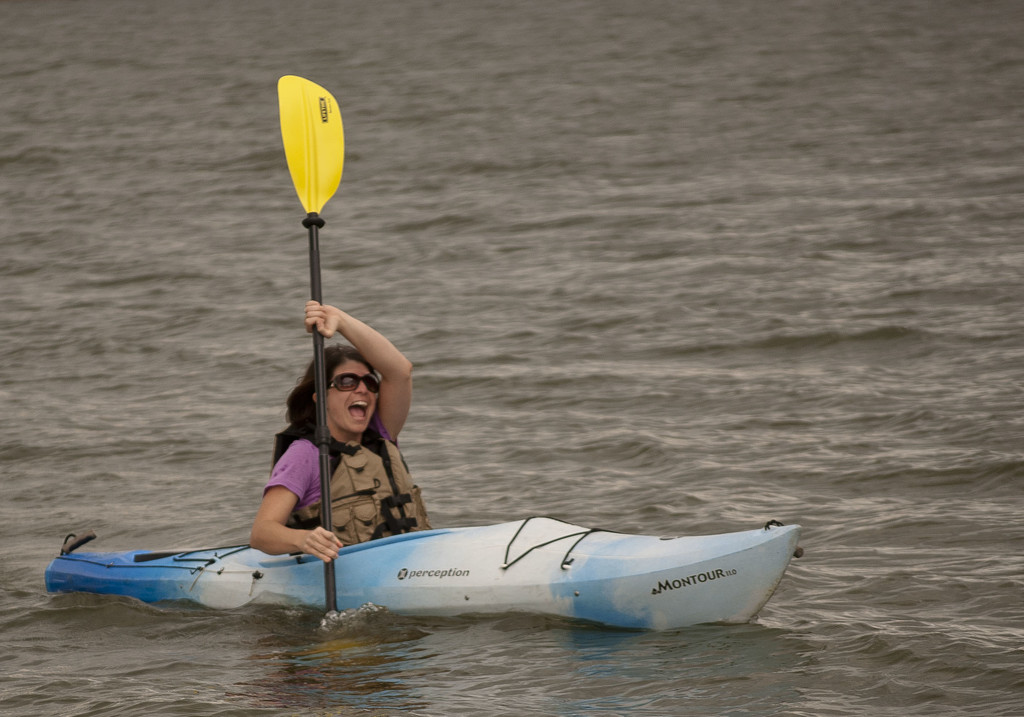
{"points": [[349, 381]]}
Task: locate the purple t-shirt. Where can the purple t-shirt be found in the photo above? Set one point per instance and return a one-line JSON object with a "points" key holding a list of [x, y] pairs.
{"points": [[298, 469]]}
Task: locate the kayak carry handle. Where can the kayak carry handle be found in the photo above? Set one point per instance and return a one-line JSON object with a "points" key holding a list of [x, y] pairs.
{"points": [[799, 552], [76, 542]]}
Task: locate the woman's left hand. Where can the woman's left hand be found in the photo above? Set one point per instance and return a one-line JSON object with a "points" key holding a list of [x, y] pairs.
{"points": [[322, 318]]}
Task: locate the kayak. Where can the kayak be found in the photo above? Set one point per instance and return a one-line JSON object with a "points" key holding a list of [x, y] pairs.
{"points": [[537, 565]]}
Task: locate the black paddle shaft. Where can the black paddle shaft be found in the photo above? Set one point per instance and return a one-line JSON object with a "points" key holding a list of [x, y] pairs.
{"points": [[322, 437]]}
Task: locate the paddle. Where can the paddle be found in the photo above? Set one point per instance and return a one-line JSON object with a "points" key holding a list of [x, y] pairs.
{"points": [[314, 145]]}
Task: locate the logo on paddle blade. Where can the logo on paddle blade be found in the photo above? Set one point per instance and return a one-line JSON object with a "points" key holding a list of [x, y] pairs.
{"points": [[324, 112]]}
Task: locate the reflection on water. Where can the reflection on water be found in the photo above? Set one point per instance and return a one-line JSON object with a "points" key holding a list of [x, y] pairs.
{"points": [[351, 659], [375, 659]]}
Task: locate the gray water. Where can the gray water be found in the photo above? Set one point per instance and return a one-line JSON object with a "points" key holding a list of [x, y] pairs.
{"points": [[663, 267]]}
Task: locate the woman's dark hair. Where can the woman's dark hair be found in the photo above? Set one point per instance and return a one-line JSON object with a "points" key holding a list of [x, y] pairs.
{"points": [[301, 406]]}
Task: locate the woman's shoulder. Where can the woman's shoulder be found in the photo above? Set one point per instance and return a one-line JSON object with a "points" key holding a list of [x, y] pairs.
{"points": [[301, 445], [292, 439], [300, 450], [298, 470]]}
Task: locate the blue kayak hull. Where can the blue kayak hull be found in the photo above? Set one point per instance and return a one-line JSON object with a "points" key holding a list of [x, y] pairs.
{"points": [[537, 565]]}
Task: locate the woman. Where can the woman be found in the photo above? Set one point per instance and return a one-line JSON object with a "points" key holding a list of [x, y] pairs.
{"points": [[372, 494]]}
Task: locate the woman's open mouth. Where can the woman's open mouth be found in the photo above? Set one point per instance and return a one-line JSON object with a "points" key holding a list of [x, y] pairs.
{"points": [[358, 409]]}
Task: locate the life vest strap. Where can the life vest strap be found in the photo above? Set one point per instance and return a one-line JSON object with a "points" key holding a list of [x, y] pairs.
{"points": [[392, 524], [394, 501]]}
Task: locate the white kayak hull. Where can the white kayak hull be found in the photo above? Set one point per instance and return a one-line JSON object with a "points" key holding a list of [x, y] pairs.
{"points": [[537, 565]]}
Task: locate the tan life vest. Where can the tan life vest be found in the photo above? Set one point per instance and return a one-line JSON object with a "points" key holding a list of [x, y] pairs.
{"points": [[371, 495]]}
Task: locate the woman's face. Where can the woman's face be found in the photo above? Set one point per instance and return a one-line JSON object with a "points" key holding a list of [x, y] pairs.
{"points": [[349, 412]]}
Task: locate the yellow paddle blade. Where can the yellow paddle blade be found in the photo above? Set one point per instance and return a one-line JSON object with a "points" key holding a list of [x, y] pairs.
{"points": [[314, 140]]}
